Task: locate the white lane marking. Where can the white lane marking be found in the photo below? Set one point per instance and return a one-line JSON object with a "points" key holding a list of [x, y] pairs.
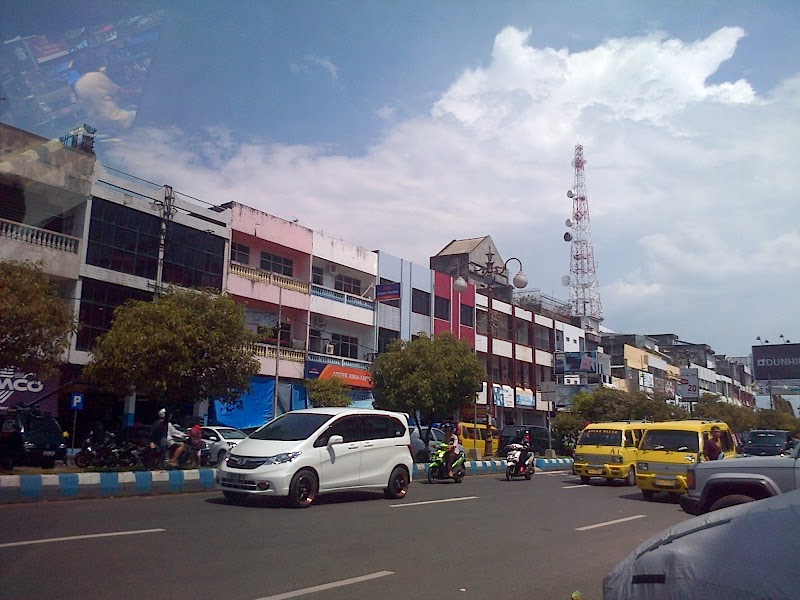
{"points": [[572, 487], [434, 501], [79, 537], [327, 586], [606, 523]]}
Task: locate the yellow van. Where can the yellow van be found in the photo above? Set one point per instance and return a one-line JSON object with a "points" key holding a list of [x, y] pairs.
{"points": [[667, 449], [467, 434], [608, 450]]}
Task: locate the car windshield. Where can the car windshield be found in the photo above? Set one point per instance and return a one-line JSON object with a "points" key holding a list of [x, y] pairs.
{"points": [[601, 437], [232, 434], [291, 427], [766, 438], [670, 440]]}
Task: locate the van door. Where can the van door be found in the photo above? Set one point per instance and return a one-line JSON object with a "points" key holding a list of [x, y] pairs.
{"points": [[382, 435], [340, 464]]}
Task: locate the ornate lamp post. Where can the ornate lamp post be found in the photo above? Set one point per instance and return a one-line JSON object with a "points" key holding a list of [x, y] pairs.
{"points": [[520, 280]]}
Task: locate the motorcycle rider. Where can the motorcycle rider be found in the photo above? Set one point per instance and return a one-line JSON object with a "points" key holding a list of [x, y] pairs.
{"points": [[175, 445], [524, 440], [451, 439]]}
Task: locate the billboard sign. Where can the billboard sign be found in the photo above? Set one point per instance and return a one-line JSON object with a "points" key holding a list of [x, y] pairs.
{"points": [[646, 382], [387, 291], [23, 388], [572, 363], [353, 377], [776, 361], [689, 387]]}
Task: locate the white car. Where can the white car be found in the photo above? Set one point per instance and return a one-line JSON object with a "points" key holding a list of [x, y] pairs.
{"points": [[308, 452], [221, 440]]}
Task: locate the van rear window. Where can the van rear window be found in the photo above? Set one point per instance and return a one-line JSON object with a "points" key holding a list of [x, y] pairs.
{"points": [[670, 440], [601, 437]]}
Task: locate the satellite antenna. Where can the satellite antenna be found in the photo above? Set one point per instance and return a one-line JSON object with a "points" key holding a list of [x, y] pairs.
{"points": [[568, 223], [570, 194], [565, 281], [568, 237]]}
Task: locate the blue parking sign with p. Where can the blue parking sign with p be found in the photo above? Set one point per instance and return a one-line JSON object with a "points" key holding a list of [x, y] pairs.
{"points": [[76, 401]]}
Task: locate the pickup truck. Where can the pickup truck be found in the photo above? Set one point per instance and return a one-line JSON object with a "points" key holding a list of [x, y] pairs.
{"points": [[721, 483]]}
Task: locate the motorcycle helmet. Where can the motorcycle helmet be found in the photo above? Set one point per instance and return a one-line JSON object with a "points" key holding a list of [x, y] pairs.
{"points": [[162, 413]]}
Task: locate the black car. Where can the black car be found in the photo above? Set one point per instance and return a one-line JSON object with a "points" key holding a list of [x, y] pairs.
{"points": [[768, 442], [537, 437], [29, 437]]}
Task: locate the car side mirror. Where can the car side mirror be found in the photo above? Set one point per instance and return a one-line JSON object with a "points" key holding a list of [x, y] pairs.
{"points": [[213, 438], [335, 439]]}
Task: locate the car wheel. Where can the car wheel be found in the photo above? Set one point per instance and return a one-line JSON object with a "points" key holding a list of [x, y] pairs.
{"points": [[221, 456], [48, 463], [631, 478], [731, 500], [585, 479], [235, 497], [648, 494], [398, 484], [303, 489]]}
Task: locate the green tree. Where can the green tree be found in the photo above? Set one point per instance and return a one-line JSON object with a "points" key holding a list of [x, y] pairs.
{"points": [[430, 377], [184, 346], [328, 392], [776, 419], [35, 322], [738, 418], [609, 404]]}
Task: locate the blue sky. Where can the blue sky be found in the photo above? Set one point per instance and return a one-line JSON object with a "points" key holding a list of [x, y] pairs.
{"points": [[403, 125]]}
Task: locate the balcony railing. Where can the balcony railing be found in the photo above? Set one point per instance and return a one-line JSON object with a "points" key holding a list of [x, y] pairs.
{"points": [[39, 237], [286, 283], [268, 351], [343, 297], [330, 359]]}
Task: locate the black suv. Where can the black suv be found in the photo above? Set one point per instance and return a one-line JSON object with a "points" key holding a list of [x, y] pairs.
{"points": [[29, 437], [536, 434]]}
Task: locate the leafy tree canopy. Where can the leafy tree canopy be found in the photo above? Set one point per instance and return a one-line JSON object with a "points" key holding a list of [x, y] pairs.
{"points": [[35, 322], [608, 404], [328, 392], [184, 346], [432, 377]]}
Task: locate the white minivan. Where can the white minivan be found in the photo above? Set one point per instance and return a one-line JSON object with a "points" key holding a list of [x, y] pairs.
{"points": [[308, 452]]}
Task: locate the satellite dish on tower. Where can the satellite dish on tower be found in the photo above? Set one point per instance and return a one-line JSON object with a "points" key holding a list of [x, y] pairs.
{"points": [[565, 281], [568, 222], [570, 194], [568, 237]]}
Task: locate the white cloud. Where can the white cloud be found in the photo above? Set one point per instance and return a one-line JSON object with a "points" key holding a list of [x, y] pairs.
{"points": [[691, 185], [320, 61]]}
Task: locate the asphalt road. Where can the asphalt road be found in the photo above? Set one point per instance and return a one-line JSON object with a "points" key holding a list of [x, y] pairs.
{"points": [[489, 539]]}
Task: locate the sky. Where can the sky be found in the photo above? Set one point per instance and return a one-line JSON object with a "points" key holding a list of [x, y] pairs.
{"points": [[400, 126]]}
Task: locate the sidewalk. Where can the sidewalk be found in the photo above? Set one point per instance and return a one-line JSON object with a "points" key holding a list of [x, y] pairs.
{"points": [[38, 487]]}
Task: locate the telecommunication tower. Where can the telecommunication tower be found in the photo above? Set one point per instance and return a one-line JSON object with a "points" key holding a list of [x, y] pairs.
{"points": [[582, 280]]}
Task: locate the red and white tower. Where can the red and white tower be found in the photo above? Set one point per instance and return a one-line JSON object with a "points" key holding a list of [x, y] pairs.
{"points": [[583, 294]]}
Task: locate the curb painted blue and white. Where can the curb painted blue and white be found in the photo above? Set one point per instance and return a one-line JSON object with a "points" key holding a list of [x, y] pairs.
{"points": [[32, 488], [489, 467]]}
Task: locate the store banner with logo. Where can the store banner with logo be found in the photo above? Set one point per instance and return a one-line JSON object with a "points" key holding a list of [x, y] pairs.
{"points": [[25, 388]]}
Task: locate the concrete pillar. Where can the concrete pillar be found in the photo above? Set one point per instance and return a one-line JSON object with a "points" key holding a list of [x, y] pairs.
{"points": [[130, 410]]}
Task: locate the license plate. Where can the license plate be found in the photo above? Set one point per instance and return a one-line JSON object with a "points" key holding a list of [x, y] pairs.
{"points": [[594, 471], [665, 482], [235, 476], [49, 453]]}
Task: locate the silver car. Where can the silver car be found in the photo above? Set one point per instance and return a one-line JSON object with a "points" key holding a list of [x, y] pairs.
{"points": [[221, 440], [419, 451]]}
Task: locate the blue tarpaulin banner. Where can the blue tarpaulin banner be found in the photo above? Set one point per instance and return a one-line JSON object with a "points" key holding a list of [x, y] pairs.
{"points": [[255, 407]]}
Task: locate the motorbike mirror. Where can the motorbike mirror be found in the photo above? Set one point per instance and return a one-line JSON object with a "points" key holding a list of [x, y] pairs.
{"points": [[335, 439]]}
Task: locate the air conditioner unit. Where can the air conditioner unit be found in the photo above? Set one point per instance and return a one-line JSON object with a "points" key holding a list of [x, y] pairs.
{"points": [[331, 268], [329, 349]]}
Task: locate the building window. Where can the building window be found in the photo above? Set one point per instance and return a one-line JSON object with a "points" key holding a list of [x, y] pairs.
{"points": [[98, 301], [317, 275], [240, 253], [277, 264], [193, 258], [502, 326], [386, 337], [420, 302], [344, 283], [441, 308], [123, 239], [345, 345], [524, 334], [542, 336], [315, 341], [467, 316], [395, 303]]}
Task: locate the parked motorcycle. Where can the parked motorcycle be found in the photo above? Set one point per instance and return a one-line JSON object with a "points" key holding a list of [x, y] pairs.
{"points": [[102, 454], [437, 469], [514, 466]]}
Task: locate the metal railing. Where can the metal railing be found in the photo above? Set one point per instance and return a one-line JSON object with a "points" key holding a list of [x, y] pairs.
{"points": [[253, 274], [330, 359], [39, 237], [268, 351], [343, 297]]}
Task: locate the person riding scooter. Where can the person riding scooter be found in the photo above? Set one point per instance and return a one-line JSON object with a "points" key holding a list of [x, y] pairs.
{"points": [[451, 439]]}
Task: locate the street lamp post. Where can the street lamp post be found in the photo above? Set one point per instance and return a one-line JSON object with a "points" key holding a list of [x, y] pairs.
{"points": [[520, 280]]}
